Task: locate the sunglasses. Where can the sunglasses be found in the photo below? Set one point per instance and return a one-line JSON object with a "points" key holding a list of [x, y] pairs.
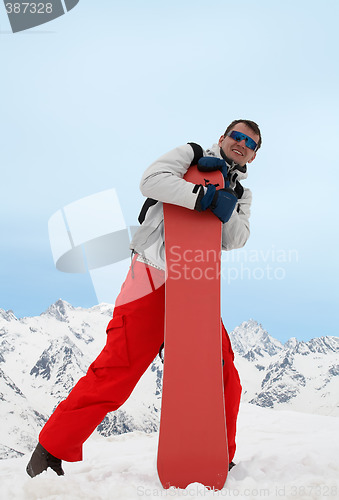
{"points": [[239, 136]]}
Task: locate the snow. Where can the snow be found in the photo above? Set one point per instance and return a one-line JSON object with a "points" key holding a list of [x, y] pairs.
{"points": [[281, 454]]}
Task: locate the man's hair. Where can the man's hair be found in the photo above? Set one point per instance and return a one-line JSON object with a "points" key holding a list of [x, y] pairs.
{"points": [[252, 125]]}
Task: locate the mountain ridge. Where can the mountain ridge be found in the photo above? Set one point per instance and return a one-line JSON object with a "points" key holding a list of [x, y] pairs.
{"points": [[42, 357]]}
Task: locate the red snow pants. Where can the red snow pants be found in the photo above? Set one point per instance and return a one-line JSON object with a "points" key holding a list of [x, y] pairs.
{"points": [[134, 336]]}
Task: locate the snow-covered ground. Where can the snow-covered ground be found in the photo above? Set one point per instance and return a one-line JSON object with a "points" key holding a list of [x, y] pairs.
{"points": [[280, 455]]}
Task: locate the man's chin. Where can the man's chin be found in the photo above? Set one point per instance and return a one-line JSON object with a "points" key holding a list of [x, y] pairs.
{"points": [[237, 159], [232, 156]]}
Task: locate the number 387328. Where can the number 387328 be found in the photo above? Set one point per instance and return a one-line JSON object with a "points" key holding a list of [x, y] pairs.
{"points": [[29, 8]]}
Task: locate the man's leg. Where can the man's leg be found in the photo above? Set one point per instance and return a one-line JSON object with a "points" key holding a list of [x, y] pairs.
{"points": [[232, 391], [134, 336]]}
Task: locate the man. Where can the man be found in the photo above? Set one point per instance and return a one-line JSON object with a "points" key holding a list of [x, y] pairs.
{"points": [[136, 331]]}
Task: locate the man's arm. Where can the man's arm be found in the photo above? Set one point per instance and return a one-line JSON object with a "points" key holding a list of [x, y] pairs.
{"points": [[163, 180], [236, 231]]}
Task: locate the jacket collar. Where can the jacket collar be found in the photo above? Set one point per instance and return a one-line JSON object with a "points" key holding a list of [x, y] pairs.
{"points": [[216, 150]]}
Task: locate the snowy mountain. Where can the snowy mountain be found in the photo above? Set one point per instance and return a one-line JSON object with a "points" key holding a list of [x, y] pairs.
{"points": [[41, 358], [301, 376]]}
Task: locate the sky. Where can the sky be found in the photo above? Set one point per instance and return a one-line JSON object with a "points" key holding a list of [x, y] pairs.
{"points": [[90, 99]]}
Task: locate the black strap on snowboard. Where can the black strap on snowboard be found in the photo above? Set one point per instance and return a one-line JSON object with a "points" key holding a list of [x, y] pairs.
{"points": [[198, 153]]}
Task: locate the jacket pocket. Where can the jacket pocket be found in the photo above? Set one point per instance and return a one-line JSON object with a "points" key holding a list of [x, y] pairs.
{"points": [[115, 352]]}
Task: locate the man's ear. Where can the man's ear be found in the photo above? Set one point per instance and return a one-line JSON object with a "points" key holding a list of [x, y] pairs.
{"points": [[222, 137], [250, 161]]}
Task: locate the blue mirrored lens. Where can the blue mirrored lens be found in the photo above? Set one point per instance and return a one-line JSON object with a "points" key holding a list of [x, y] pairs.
{"points": [[239, 136]]}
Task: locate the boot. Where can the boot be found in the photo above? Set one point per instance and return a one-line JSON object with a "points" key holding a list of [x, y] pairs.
{"points": [[41, 460]]}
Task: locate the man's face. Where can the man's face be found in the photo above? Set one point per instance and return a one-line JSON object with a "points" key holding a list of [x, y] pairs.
{"points": [[238, 151]]}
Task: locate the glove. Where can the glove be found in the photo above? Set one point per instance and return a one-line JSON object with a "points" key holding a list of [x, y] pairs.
{"points": [[211, 163], [221, 202]]}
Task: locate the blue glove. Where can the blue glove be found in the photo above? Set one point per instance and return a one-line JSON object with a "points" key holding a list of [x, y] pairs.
{"points": [[211, 163], [221, 202]]}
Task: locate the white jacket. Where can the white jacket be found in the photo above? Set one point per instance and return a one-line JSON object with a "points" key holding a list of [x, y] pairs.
{"points": [[163, 181]]}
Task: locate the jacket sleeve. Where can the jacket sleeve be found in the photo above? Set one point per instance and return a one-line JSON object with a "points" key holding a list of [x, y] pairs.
{"points": [[163, 180], [236, 231]]}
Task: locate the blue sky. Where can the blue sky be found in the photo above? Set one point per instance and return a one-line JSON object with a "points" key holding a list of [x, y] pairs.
{"points": [[91, 99]]}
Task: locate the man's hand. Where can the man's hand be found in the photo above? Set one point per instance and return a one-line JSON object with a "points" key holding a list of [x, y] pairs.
{"points": [[221, 202], [211, 163]]}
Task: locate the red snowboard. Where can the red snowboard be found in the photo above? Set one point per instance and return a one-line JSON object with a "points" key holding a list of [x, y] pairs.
{"points": [[192, 440]]}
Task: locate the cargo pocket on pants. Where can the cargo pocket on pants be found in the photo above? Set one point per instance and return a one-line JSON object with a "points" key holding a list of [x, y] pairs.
{"points": [[115, 352]]}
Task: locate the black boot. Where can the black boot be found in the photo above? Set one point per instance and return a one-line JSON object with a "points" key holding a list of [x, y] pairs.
{"points": [[41, 460]]}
